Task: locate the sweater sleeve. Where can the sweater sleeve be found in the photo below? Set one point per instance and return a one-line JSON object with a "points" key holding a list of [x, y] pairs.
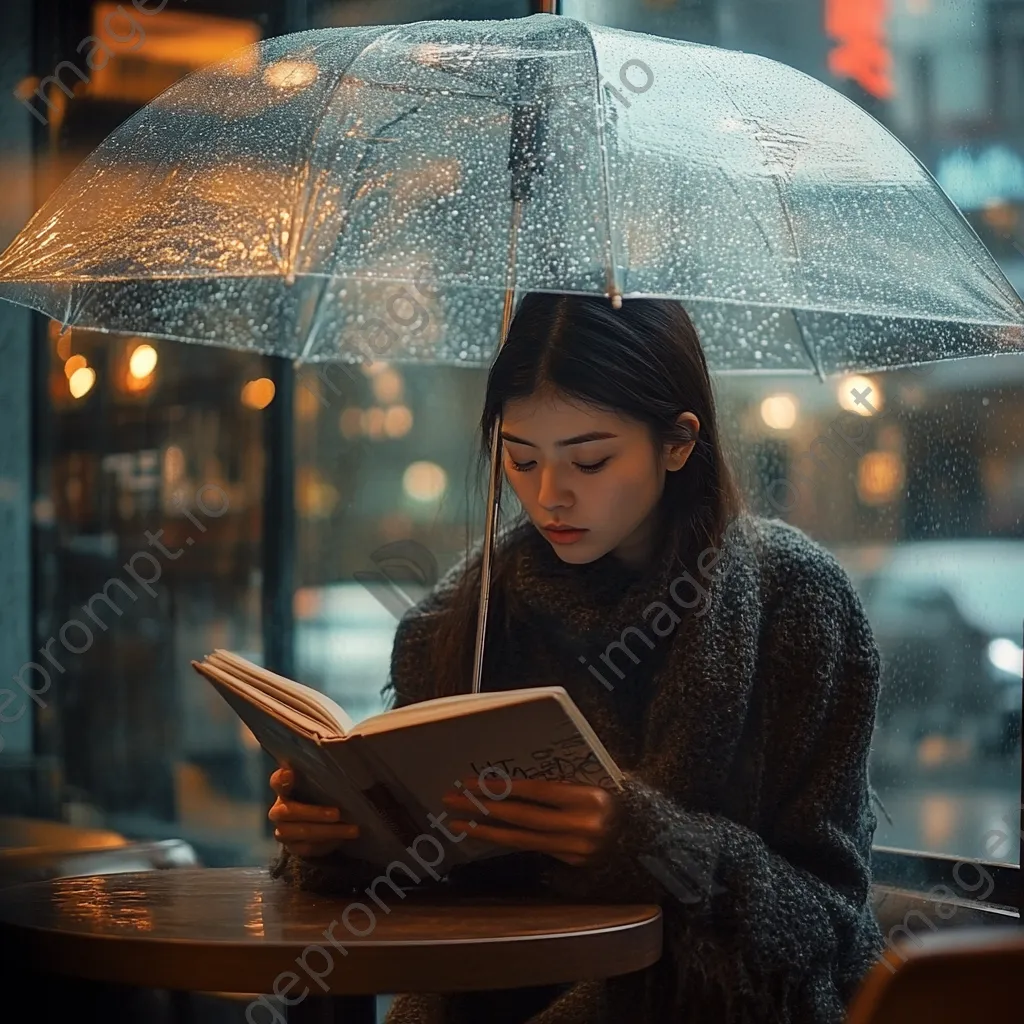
{"points": [[762, 918], [337, 872]]}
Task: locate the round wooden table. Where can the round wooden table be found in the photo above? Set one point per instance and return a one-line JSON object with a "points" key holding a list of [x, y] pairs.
{"points": [[237, 930]]}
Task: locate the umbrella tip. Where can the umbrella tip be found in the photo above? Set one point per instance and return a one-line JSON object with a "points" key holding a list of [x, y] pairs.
{"points": [[616, 300]]}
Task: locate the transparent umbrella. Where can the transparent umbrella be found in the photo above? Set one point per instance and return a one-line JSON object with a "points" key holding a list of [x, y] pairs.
{"points": [[297, 198]]}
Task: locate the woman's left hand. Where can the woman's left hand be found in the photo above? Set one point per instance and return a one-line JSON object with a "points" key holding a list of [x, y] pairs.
{"points": [[567, 820]]}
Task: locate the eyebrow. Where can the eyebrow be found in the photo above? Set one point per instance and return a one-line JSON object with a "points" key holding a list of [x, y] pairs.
{"points": [[594, 435]]}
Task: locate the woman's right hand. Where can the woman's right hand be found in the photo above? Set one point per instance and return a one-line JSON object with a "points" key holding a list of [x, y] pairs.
{"points": [[306, 830]]}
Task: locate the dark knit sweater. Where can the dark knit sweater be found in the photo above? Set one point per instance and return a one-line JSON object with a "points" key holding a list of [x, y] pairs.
{"points": [[746, 809]]}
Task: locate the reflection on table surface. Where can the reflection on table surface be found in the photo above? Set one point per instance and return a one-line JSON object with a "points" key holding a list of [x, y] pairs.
{"points": [[242, 905]]}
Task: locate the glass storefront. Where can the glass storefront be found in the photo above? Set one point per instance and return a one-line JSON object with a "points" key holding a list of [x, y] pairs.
{"points": [[141, 481]]}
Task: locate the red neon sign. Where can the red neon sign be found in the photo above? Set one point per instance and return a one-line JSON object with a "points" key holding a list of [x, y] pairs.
{"points": [[861, 52]]}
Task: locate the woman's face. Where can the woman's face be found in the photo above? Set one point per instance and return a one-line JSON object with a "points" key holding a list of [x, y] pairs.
{"points": [[573, 465]]}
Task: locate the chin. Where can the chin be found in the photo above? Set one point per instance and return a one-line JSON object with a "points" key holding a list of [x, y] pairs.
{"points": [[576, 554]]}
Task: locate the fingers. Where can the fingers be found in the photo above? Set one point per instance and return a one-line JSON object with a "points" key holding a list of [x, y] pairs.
{"points": [[291, 810], [557, 844], [542, 791], [525, 815], [306, 830], [281, 781], [289, 832]]}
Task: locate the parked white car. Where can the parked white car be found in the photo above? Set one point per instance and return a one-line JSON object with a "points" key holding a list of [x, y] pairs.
{"points": [[948, 617]]}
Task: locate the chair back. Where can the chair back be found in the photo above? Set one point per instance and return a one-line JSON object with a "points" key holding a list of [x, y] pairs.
{"points": [[946, 977]]}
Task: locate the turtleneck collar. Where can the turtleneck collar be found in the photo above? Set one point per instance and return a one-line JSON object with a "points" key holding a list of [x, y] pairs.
{"points": [[586, 600]]}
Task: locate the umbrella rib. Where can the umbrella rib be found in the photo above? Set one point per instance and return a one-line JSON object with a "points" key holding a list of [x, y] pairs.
{"points": [[297, 225], [362, 159], [807, 346], [811, 351], [610, 253], [370, 142], [959, 244], [812, 354]]}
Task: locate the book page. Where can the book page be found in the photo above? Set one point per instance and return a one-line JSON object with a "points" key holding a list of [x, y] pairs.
{"points": [[543, 738], [450, 707], [237, 692], [311, 703]]}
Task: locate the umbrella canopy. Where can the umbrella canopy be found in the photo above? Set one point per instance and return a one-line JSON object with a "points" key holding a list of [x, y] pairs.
{"points": [[351, 193]]}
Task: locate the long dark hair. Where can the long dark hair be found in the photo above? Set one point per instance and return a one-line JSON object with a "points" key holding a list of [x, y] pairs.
{"points": [[643, 361]]}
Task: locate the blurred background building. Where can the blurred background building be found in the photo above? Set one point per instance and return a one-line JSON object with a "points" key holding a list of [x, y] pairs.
{"points": [[300, 512]]}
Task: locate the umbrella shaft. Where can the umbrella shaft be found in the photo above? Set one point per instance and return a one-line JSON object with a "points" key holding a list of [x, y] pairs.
{"points": [[494, 481]]}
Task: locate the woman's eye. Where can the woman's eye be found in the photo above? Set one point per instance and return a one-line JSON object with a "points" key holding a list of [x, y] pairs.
{"points": [[525, 467]]}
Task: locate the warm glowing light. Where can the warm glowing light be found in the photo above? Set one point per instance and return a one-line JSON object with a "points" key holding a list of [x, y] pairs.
{"points": [[258, 394], [879, 477], [372, 422], [1000, 215], [779, 411], [387, 387], [424, 481], [351, 421], [142, 361], [939, 816], [174, 464], [316, 498], [290, 74], [74, 363], [374, 367], [81, 381], [397, 421], [137, 384], [306, 603], [63, 344], [861, 395], [307, 401]]}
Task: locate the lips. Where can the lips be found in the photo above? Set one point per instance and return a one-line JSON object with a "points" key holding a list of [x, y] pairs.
{"points": [[563, 534]]}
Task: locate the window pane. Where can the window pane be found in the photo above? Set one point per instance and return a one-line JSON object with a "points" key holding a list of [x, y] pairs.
{"points": [[148, 523], [148, 497], [385, 484]]}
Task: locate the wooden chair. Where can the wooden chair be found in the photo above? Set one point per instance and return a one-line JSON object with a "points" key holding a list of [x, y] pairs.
{"points": [[945, 977]]}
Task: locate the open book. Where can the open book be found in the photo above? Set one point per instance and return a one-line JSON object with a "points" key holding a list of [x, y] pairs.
{"points": [[389, 773]]}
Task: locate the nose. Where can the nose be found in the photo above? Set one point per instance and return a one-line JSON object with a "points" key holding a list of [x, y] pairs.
{"points": [[552, 494]]}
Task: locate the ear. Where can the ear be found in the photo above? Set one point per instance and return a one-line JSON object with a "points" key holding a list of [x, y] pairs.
{"points": [[677, 454]]}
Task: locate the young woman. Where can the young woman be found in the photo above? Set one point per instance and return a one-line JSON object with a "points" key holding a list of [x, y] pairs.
{"points": [[724, 660]]}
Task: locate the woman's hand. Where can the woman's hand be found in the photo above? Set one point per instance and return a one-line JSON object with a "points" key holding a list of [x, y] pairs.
{"points": [[306, 830], [567, 820]]}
